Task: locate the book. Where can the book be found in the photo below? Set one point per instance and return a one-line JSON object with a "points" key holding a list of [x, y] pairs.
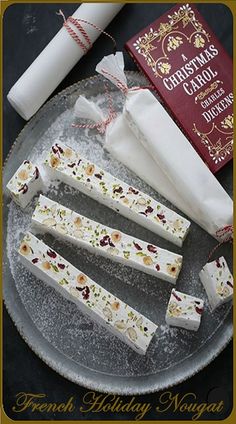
{"points": [[193, 75]]}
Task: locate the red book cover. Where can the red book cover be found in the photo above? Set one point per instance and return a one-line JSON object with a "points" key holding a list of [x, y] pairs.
{"points": [[193, 75]]}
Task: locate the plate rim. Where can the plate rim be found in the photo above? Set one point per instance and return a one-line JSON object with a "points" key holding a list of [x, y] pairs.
{"points": [[28, 330]]}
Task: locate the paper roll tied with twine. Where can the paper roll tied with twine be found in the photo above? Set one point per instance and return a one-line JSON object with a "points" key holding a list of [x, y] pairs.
{"points": [[57, 59]]}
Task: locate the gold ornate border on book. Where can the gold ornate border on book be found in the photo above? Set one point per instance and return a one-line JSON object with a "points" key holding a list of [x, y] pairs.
{"points": [[214, 85], [144, 45], [217, 152]]}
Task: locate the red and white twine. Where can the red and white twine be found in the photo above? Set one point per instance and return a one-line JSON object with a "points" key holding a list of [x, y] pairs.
{"points": [[85, 45], [77, 24], [122, 86], [228, 229], [101, 125]]}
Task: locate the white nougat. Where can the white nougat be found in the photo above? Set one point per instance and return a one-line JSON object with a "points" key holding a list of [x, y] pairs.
{"points": [[184, 311], [218, 282], [103, 307], [68, 166], [49, 216], [25, 183]]}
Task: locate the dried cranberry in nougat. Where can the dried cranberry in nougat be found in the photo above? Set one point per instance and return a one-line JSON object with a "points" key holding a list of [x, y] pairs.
{"points": [[218, 282], [130, 326], [51, 217], [184, 311], [68, 166], [25, 183]]}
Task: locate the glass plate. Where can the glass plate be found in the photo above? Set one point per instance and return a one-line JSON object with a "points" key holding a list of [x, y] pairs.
{"points": [[54, 328]]}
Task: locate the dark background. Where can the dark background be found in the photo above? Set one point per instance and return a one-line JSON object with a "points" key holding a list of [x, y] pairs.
{"points": [[27, 30]]}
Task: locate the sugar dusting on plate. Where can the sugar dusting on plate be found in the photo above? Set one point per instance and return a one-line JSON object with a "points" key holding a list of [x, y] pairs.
{"points": [[58, 319]]}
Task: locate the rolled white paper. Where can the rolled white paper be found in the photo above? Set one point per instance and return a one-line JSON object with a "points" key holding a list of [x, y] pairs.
{"points": [[203, 198], [57, 59], [212, 208]]}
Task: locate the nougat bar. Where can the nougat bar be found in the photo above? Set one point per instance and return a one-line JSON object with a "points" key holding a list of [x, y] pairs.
{"points": [[68, 166], [25, 183], [184, 311], [50, 216], [218, 282], [103, 307]]}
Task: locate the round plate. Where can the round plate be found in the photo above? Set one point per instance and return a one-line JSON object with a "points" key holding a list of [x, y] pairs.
{"points": [[54, 328]]}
